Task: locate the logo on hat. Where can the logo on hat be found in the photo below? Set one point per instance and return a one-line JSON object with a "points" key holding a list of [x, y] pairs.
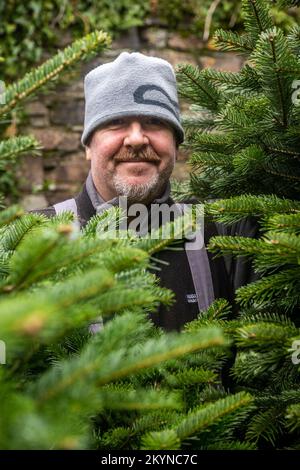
{"points": [[139, 97]]}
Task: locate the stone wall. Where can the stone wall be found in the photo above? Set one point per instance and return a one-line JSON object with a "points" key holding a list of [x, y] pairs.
{"points": [[56, 117]]}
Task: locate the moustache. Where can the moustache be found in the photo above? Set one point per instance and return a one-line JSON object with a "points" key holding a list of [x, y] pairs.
{"points": [[130, 155]]}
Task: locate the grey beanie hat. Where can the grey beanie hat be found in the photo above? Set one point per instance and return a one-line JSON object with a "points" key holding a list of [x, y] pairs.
{"points": [[132, 85]]}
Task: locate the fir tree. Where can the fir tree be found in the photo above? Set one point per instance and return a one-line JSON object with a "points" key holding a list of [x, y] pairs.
{"points": [[63, 387], [40, 79], [131, 385], [244, 135]]}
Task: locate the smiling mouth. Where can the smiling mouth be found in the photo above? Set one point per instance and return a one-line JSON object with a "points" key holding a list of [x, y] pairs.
{"points": [[137, 161]]}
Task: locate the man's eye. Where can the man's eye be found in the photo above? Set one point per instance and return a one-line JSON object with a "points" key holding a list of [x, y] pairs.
{"points": [[116, 123], [154, 122]]}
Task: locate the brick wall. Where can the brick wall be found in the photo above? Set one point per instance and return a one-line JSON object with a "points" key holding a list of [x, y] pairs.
{"points": [[56, 117]]}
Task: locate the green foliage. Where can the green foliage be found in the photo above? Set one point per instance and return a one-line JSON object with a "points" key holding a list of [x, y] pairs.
{"points": [[55, 282], [253, 148], [188, 16], [10, 150], [69, 388], [245, 159], [131, 385], [268, 207], [198, 421], [36, 80], [205, 17], [32, 81], [28, 29]]}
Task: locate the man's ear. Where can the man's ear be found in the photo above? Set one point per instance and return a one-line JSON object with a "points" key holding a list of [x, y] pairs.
{"points": [[88, 153]]}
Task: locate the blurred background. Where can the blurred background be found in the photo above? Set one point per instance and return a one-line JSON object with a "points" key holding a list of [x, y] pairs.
{"points": [[179, 31]]}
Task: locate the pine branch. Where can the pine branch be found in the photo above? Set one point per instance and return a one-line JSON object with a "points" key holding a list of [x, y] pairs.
{"points": [[116, 260], [120, 363], [257, 17], [210, 160], [263, 336], [100, 223], [276, 65], [10, 214], [170, 232], [11, 148], [154, 352], [236, 208], [18, 229], [268, 425], [126, 297], [191, 376], [270, 289], [229, 41], [288, 223], [155, 420], [34, 80], [245, 115], [198, 420], [217, 142], [232, 445], [245, 81], [143, 399], [294, 39], [180, 190], [39, 257], [162, 440], [254, 316], [195, 87], [218, 311], [46, 313], [293, 417], [273, 250], [201, 122]]}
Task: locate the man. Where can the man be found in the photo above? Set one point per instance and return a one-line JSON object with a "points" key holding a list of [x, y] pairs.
{"points": [[131, 134]]}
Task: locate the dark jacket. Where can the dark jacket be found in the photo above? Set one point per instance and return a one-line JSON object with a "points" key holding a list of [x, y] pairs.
{"points": [[227, 275]]}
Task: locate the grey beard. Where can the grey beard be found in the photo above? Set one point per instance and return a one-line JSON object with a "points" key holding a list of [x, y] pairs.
{"points": [[139, 192], [143, 193]]}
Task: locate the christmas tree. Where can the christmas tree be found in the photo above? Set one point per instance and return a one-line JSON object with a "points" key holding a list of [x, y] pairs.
{"points": [[132, 386], [245, 139], [63, 387], [39, 79]]}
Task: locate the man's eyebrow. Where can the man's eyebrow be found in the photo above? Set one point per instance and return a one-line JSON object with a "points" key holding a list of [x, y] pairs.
{"points": [[113, 120]]}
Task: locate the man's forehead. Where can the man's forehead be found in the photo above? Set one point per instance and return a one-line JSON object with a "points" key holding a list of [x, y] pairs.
{"points": [[157, 121]]}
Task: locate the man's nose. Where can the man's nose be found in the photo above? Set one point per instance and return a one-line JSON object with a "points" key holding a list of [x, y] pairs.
{"points": [[136, 137]]}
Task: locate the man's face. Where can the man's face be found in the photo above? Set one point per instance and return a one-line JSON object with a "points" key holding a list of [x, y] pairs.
{"points": [[133, 157]]}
